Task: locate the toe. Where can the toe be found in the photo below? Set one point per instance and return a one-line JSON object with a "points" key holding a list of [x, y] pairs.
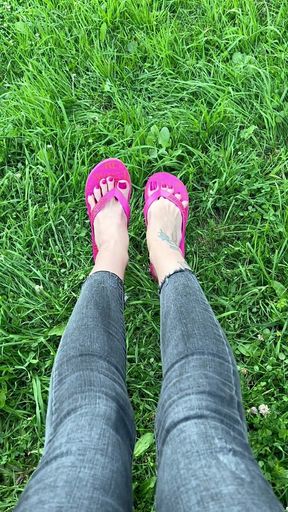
{"points": [[152, 188], [103, 186], [170, 190], [97, 193], [91, 201], [123, 186], [110, 182], [184, 203], [164, 186]]}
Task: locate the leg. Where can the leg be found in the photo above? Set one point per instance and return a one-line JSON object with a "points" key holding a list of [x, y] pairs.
{"points": [[89, 442], [204, 459]]}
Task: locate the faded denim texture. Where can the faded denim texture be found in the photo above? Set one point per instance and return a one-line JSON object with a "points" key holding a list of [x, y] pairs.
{"points": [[204, 460]]}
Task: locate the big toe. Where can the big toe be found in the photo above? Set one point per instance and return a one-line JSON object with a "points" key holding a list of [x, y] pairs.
{"points": [[124, 187], [153, 186]]}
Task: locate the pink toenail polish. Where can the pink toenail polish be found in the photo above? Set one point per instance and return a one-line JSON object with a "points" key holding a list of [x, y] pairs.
{"points": [[110, 178], [122, 185]]}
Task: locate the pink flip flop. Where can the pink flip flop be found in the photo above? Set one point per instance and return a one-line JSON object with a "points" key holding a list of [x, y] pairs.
{"points": [[154, 183], [117, 170]]}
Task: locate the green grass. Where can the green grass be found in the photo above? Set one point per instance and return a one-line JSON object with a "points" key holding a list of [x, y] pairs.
{"points": [[84, 80]]}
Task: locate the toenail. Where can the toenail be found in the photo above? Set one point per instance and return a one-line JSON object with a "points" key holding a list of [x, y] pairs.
{"points": [[110, 178], [122, 184], [103, 181]]}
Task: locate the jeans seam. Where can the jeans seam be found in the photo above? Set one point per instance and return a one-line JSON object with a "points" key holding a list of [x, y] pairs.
{"points": [[225, 344]]}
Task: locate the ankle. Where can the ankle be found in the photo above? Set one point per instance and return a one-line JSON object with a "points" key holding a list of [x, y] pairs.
{"points": [[112, 257], [165, 260], [115, 246]]}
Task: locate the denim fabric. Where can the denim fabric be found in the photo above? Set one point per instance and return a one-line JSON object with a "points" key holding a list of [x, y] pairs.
{"points": [[204, 460], [90, 435]]}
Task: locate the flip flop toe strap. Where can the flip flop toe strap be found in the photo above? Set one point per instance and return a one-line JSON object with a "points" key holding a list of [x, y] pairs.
{"points": [[116, 194], [167, 195]]}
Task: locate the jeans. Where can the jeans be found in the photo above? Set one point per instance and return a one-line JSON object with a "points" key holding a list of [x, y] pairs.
{"points": [[204, 459]]}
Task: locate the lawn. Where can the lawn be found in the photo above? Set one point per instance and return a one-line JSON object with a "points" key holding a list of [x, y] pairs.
{"points": [[198, 88]]}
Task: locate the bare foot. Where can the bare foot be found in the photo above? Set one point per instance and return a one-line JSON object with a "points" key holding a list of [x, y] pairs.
{"points": [[164, 235], [110, 228]]}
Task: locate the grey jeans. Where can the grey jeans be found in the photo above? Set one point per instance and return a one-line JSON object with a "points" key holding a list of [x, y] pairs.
{"points": [[204, 459]]}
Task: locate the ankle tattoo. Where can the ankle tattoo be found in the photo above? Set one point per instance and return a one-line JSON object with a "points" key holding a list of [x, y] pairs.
{"points": [[165, 238]]}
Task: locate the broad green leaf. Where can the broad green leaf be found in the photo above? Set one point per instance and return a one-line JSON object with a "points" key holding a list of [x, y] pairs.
{"points": [[247, 132], [154, 130], [58, 330], [150, 139], [143, 444], [246, 350], [107, 85], [21, 27], [148, 485], [153, 153], [241, 59], [279, 288], [164, 137], [128, 130], [237, 58], [132, 46]]}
